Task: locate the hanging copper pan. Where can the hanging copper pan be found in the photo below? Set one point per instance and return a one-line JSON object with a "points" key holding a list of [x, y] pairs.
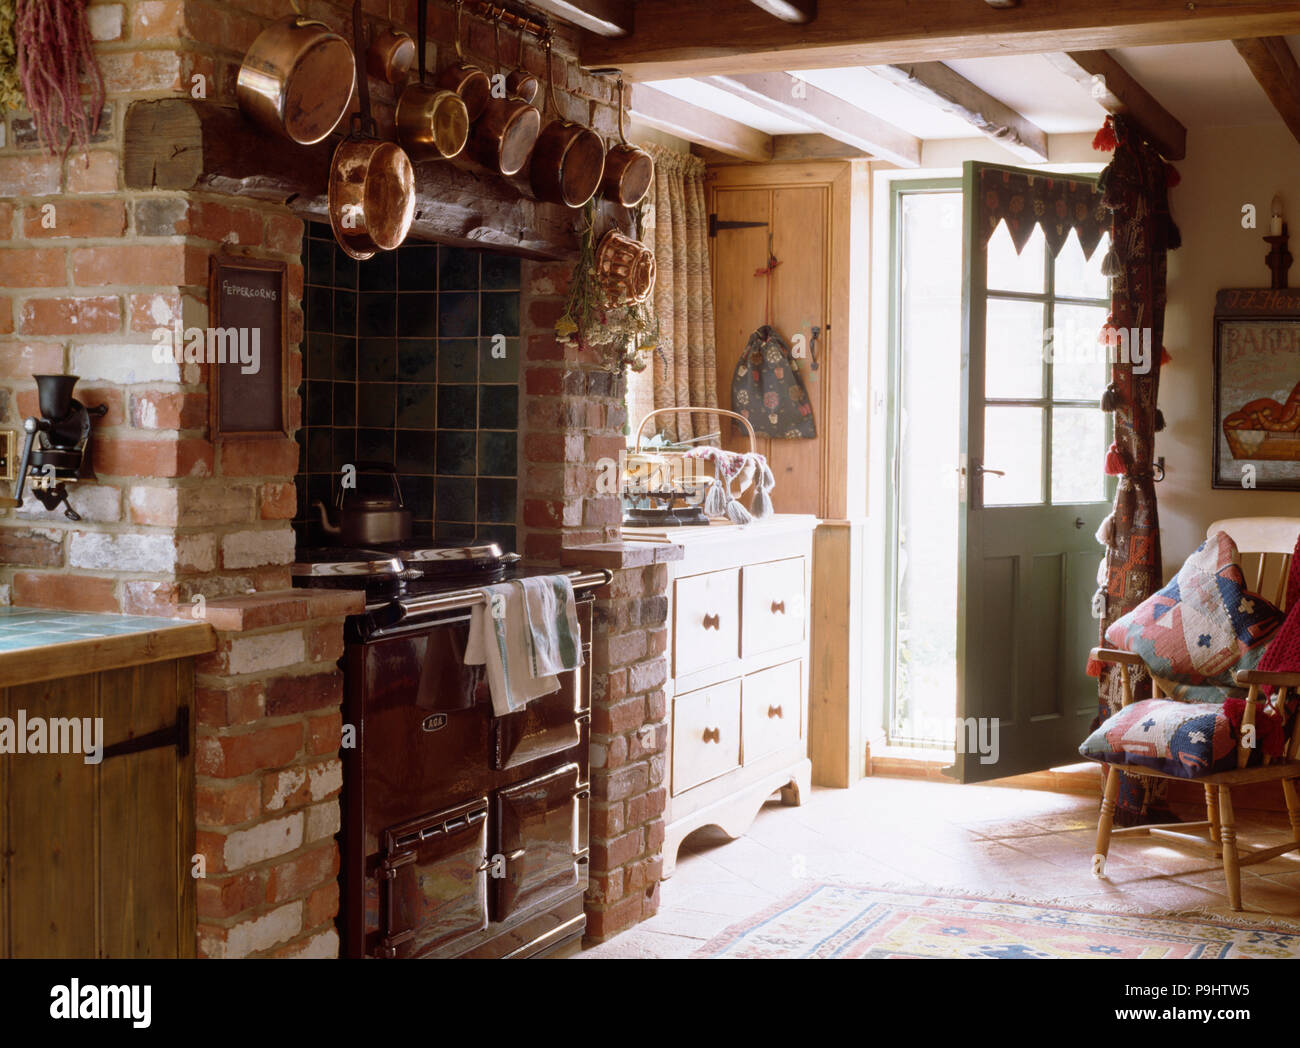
{"points": [[629, 171], [504, 136], [569, 158], [468, 81], [372, 183], [296, 80], [432, 122], [521, 83], [391, 55]]}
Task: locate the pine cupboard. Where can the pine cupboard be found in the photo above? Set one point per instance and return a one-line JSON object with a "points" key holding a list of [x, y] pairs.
{"points": [[95, 859]]}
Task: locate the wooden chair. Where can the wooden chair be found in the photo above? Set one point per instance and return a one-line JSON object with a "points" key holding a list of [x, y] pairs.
{"points": [[1272, 539]]}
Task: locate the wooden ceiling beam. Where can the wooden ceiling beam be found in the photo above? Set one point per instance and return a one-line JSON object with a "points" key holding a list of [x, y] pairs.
{"points": [[788, 148], [608, 18], [1117, 91], [824, 113], [1274, 65], [703, 127], [673, 39], [939, 86], [795, 11]]}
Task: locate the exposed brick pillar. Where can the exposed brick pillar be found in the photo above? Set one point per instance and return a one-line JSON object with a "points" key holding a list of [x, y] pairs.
{"points": [[268, 774], [574, 414]]}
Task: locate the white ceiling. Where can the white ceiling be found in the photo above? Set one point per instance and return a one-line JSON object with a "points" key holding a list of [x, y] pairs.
{"points": [[1203, 85]]}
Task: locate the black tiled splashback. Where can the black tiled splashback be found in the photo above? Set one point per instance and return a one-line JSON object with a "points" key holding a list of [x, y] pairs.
{"points": [[412, 358]]}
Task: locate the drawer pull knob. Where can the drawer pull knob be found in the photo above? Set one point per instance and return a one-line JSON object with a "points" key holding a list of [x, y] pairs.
{"points": [[713, 735], [712, 622], [773, 712], [778, 607]]}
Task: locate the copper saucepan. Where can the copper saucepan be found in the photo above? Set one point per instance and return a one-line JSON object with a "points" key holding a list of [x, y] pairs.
{"points": [[432, 122], [468, 81], [296, 80], [505, 134], [521, 83], [569, 158], [391, 55], [629, 171], [372, 183]]}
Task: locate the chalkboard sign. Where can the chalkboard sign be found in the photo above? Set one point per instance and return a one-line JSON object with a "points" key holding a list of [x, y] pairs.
{"points": [[245, 347], [1257, 390]]}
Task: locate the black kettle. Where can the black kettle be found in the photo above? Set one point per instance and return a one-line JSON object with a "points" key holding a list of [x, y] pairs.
{"points": [[367, 519]]}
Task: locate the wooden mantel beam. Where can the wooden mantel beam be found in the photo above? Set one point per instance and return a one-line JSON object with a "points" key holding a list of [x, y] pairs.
{"points": [[1117, 92], [703, 127], [824, 113], [602, 17], [795, 11], [673, 39], [936, 84], [183, 144], [1271, 60]]}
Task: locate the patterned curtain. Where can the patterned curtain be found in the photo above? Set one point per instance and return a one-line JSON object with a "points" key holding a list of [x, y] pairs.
{"points": [[1058, 205], [1135, 189], [684, 371]]}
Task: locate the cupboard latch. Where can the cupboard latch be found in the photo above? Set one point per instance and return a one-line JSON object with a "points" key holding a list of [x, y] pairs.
{"points": [[177, 735]]}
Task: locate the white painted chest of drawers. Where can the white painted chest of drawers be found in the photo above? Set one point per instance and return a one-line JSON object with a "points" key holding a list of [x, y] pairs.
{"points": [[738, 672]]}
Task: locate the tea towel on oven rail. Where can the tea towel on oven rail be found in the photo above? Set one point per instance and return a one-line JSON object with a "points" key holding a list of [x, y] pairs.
{"points": [[501, 638]]}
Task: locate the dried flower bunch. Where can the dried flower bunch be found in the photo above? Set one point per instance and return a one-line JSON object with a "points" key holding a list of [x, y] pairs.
{"points": [[11, 93], [54, 53], [623, 335]]}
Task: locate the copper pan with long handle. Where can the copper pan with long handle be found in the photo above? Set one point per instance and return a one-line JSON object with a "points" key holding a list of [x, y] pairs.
{"points": [[503, 137], [372, 182], [296, 79], [466, 79], [520, 83], [432, 122], [629, 171], [569, 158]]}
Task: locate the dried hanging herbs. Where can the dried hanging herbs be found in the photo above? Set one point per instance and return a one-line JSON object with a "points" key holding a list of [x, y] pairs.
{"points": [[624, 336], [55, 53], [11, 92]]}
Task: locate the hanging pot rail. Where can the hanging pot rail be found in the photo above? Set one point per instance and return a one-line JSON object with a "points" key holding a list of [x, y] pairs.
{"points": [[495, 12]]}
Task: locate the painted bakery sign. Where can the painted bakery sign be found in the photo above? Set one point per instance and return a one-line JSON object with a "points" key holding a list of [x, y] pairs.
{"points": [[1257, 390]]}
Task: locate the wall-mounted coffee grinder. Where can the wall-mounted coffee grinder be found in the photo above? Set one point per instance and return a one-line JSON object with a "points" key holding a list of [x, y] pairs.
{"points": [[56, 446]]}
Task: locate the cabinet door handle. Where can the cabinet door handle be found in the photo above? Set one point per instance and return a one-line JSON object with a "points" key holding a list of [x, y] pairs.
{"points": [[774, 712], [713, 735], [778, 607], [712, 622]]}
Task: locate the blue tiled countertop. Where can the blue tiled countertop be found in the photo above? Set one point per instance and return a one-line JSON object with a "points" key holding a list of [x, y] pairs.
{"points": [[42, 644]]}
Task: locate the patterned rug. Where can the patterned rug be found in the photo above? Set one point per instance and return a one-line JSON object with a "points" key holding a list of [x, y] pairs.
{"points": [[836, 920]]}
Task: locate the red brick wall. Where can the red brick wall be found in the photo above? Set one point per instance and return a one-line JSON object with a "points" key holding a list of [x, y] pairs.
{"points": [[571, 434], [173, 516]]}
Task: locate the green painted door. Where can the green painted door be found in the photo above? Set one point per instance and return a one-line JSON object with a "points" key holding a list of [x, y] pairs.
{"points": [[1032, 495]]}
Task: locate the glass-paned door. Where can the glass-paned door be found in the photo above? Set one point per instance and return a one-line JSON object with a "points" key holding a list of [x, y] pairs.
{"points": [[1033, 493]]}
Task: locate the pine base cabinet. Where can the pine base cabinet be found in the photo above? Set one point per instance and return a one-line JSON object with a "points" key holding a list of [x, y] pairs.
{"points": [[738, 686]]}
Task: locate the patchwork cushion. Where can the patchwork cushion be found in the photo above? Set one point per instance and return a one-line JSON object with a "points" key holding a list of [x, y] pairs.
{"points": [[1202, 628], [1187, 739]]}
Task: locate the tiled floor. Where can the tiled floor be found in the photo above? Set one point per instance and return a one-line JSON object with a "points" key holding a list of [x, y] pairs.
{"points": [[900, 831]]}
